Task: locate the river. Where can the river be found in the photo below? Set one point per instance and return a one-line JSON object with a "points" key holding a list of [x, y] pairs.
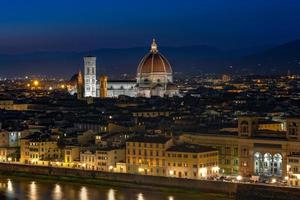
{"points": [[20, 188]]}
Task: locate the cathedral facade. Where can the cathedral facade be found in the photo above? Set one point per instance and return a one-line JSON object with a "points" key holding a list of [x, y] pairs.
{"points": [[154, 78]]}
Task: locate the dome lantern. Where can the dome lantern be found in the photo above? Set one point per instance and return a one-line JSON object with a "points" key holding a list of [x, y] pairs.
{"points": [[154, 46], [154, 62]]}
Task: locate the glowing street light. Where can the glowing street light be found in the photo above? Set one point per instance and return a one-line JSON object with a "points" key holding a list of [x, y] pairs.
{"points": [[36, 83], [239, 178]]}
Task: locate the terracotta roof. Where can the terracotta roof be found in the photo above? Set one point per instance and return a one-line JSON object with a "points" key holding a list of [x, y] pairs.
{"points": [[154, 62], [150, 139]]}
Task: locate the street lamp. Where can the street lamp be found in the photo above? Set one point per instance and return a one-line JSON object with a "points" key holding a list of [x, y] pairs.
{"points": [[239, 178], [36, 83]]}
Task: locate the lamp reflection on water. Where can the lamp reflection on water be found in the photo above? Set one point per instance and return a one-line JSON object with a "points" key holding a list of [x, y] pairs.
{"points": [[170, 198], [32, 191], [10, 190], [111, 195], [83, 194], [9, 186], [140, 196], [57, 193]]}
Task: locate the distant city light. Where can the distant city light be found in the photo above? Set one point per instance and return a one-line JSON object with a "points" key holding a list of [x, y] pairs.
{"points": [[36, 83]]}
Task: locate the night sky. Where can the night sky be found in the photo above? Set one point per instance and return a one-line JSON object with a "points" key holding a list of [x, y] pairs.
{"points": [[36, 25]]}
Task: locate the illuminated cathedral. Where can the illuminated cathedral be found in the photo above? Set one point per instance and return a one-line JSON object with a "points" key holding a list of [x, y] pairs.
{"points": [[154, 78]]}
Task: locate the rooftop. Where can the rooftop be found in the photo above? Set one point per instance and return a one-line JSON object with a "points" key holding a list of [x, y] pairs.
{"points": [[150, 139], [191, 148]]}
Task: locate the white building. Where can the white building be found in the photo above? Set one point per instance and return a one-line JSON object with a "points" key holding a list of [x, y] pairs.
{"points": [[116, 88], [90, 76], [154, 78]]}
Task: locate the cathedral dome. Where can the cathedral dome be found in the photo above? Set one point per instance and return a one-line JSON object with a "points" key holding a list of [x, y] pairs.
{"points": [[154, 63]]}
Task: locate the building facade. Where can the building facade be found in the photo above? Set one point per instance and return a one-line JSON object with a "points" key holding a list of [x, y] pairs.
{"points": [[90, 81], [192, 161], [146, 155], [252, 151], [154, 78]]}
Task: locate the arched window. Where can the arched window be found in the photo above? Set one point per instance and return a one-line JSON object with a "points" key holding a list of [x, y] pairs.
{"points": [[244, 127], [258, 163], [277, 164], [268, 163]]}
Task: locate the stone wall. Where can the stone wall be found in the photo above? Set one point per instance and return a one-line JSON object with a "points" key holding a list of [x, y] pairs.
{"points": [[207, 186], [241, 191]]}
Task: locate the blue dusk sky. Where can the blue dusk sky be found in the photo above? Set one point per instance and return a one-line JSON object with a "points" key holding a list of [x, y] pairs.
{"points": [[79, 25]]}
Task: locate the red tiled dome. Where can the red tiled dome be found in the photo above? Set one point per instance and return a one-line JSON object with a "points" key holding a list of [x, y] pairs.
{"points": [[154, 62]]}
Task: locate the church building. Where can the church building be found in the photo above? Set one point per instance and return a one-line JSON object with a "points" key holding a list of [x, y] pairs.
{"points": [[154, 78]]}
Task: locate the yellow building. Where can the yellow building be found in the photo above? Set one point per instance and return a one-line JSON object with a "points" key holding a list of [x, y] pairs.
{"points": [[271, 125], [88, 160], [251, 151], [105, 159], [39, 149], [192, 161], [293, 169], [24, 151], [227, 147], [108, 158], [10, 105], [146, 155], [46, 150], [8, 154], [70, 154]]}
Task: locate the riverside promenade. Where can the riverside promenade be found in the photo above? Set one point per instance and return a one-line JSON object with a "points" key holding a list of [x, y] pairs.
{"points": [[238, 190]]}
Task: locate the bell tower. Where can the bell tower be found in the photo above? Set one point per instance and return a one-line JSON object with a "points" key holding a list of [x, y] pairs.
{"points": [[90, 76]]}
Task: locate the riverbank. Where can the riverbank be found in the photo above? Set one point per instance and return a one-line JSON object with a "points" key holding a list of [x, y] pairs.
{"points": [[97, 177], [225, 190], [112, 184]]}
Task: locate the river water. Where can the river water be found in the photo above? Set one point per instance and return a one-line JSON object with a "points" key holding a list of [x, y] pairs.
{"points": [[20, 188]]}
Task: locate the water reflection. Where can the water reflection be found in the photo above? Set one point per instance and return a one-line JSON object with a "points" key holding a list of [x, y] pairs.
{"points": [[33, 191], [84, 193], [111, 195], [57, 193], [171, 198], [140, 196], [47, 190], [9, 189], [9, 186]]}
